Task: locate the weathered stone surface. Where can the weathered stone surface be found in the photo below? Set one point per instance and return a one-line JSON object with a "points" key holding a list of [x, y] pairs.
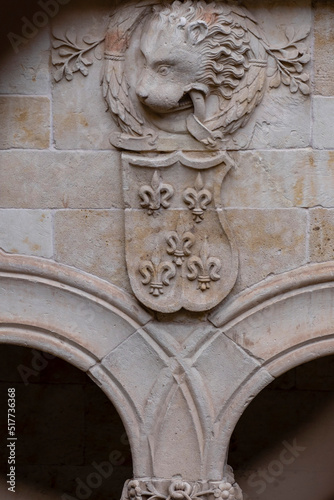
{"points": [[323, 109], [280, 179], [321, 235], [26, 69], [282, 121], [269, 241], [25, 122], [79, 116], [92, 240], [80, 120], [287, 328], [148, 360], [28, 232], [60, 179], [323, 47], [236, 366]]}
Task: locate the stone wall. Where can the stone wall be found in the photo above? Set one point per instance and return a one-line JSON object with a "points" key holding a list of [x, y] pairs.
{"points": [[61, 194], [61, 199]]}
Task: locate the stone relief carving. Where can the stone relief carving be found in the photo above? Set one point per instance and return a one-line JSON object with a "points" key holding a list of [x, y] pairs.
{"points": [[204, 268], [198, 199], [179, 245], [179, 253], [156, 195], [185, 75], [157, 273], [177, 489], [182, 77]]}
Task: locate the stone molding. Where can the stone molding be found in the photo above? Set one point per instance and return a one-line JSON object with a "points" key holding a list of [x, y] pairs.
{"points": [[275, 288]]}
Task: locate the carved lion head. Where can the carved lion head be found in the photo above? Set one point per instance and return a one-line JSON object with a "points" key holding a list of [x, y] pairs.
{"points": [[191, 49]]}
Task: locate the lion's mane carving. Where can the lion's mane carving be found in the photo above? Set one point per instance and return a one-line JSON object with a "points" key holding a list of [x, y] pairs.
{"points": [[223, 49]]}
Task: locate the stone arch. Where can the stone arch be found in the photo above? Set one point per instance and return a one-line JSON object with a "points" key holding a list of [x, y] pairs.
{"points": [[282, 322], [79, 318]]}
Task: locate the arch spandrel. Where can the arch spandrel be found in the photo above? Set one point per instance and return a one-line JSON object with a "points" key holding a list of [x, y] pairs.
{"points": [[283, 322], [76, 317]]}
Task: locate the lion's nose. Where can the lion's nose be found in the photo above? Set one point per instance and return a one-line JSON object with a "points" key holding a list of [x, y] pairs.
{"points": [[142, 93]]}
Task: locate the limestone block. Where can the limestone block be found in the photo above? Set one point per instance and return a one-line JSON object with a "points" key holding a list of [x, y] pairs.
{"points": [[272, 330], [28, 232], [323, 47], [26, 69], [269, 241], [25, 122], [92, 240], [282, 121], [321, 235], [79, 113], [79, 117], [40, 179], [233, 367], [323, 109], [280, 179], [137, 375]]}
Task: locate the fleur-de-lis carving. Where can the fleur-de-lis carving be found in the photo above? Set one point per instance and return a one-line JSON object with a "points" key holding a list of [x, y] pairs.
{"points": [[197, 199], [204, 268], [156, 195], [157, 274], [179, 246]]}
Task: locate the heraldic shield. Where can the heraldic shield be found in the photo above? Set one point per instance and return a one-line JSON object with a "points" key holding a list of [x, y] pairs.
{"points": [[180, 252]]}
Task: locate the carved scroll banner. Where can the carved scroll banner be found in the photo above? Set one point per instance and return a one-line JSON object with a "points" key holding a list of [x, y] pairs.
{"points": [[179, 249]]}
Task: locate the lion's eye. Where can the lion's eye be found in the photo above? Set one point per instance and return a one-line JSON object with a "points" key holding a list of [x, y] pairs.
{"points": [[163, 70]]}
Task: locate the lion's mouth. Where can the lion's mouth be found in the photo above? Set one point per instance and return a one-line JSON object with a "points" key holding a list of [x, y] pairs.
{"points": [[184, 103]]}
